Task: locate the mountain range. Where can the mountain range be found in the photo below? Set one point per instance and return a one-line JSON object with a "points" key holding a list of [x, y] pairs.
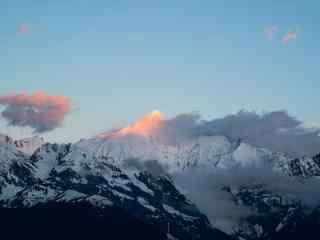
{"points": [[133, 186]]}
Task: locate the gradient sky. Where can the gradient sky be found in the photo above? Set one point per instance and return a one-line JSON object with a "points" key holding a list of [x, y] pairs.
{"points": [[120, 59]]}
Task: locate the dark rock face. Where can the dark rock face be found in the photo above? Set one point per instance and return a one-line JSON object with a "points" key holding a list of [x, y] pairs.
{"points": [[305, 167], [307, 229], [74, 221]]}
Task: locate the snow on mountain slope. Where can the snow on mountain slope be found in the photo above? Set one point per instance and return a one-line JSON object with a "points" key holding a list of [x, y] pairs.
{"points": [[47, 157], [26, 145], [304, 166], [15, 171], [202, 151], [206, 152], [29, 145], [4, 139]]}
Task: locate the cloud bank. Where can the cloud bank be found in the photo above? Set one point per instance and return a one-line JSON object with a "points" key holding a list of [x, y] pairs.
{"points": [[39, 111], [276, 131]]}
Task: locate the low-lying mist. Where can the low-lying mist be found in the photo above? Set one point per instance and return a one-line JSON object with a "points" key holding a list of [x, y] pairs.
{"points": [[207, 189]]}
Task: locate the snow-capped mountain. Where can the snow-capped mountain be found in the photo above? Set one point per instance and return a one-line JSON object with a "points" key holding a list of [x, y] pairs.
{"points": [[67, 174], [95, 171]]}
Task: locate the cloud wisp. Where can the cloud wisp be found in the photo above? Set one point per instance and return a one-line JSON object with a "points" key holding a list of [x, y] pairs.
{"points": [[24, 29], [270, 32], [289, 37], [27, 29], [39, 111]]}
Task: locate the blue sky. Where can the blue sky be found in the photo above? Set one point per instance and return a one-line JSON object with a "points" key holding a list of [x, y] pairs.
{"points": [[120, 59]]}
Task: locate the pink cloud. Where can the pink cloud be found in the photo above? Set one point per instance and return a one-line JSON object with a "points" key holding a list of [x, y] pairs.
{"points": [[24, 29], [40, 111], [290, 36]]}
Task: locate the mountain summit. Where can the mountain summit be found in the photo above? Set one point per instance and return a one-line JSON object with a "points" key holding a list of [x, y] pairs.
{"points": [[143, 127]]}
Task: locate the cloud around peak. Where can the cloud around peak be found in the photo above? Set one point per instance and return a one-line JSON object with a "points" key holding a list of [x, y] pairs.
{"points": [[277, 131]]}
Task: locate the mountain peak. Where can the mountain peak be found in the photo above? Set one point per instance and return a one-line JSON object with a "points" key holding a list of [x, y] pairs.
{"points": [[29, 145], [25, 145], [143, 127]]}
